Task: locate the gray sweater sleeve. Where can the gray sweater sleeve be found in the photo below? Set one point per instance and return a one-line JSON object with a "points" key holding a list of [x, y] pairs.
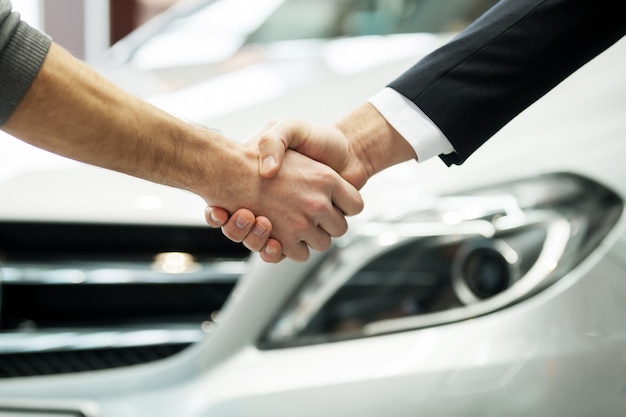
{"points": [[22, 52]]}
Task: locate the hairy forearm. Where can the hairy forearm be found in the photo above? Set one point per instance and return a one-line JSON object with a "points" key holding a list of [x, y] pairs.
{"points": [[73, 111], [375, 143]]}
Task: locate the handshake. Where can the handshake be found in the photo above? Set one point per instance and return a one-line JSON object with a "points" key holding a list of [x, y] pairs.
{"points": [[292, 188], [284, 193], [308, 183]]}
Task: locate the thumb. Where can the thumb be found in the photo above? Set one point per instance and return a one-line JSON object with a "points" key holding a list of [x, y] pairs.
{"points": [[271, 153], [286, 134]]}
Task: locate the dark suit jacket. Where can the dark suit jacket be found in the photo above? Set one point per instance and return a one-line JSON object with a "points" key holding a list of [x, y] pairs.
{"points": [[504, 61]]}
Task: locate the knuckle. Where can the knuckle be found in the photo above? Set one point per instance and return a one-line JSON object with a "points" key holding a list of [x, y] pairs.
{"points": [[328, 177], [340, 229], [298, 252], [359, 206], [301, 226], [318, 206], [324, 244], [302, 257], [355, 207], [265, 140]]}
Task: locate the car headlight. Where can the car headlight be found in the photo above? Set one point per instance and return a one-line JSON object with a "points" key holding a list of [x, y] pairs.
{"points": [[452, 258]]}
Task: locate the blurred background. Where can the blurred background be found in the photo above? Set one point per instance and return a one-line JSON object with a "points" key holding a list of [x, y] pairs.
{"points": [[89, 27]]}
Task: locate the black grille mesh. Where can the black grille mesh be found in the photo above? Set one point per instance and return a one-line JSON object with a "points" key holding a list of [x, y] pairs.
{"points": [[68, 305], [45, 305], [62, 362]]}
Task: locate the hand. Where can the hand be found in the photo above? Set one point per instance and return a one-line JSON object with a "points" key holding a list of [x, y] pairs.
{"points": [[244, 227], [326, 144], [307, 202], [357, 147]]}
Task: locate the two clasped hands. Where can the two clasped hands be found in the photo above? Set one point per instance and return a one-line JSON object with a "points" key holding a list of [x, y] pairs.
{"points": [[312, 174], [291, 188]]}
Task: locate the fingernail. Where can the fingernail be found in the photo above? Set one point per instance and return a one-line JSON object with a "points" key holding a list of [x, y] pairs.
{"points": [[269, 250], [268, 163], [259, 229], [212, 216], [242, 222]]}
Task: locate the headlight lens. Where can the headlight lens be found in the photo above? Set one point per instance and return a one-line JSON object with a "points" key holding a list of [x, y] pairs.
{"points": [[453, 258]]}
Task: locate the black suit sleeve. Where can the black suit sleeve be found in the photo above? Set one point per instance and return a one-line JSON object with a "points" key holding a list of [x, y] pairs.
{"points": [[505, 61]]}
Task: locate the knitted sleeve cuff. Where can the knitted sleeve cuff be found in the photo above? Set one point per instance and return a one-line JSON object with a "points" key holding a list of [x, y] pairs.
{"points": [[20, 61]]}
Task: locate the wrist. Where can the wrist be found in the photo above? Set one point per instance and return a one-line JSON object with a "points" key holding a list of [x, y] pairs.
{"points": [[223, 172], [374, 142], [205, 163]]}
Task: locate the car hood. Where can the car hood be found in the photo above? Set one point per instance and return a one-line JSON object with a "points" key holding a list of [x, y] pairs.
{"points": [[36, 185]]}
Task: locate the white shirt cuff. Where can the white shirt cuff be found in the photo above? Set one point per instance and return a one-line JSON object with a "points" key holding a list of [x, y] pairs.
{"points": [[414, 126]]}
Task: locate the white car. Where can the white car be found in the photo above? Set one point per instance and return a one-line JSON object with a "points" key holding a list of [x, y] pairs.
{"points": [[493, 288]]}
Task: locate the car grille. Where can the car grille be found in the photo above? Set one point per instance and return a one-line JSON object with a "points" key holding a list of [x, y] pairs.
{"points": [[61, 362], [86, 297]]}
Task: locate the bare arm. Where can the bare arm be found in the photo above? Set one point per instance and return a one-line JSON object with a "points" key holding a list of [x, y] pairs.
{"points": [[73, 111]]}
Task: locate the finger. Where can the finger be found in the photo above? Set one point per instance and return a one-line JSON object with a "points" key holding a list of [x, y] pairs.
{"points": [[272, 145], [335, 224], [347, 198], [239, 225], [298, 252], [272, 252], [215, 216], [318, 239], [259, 235]]}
